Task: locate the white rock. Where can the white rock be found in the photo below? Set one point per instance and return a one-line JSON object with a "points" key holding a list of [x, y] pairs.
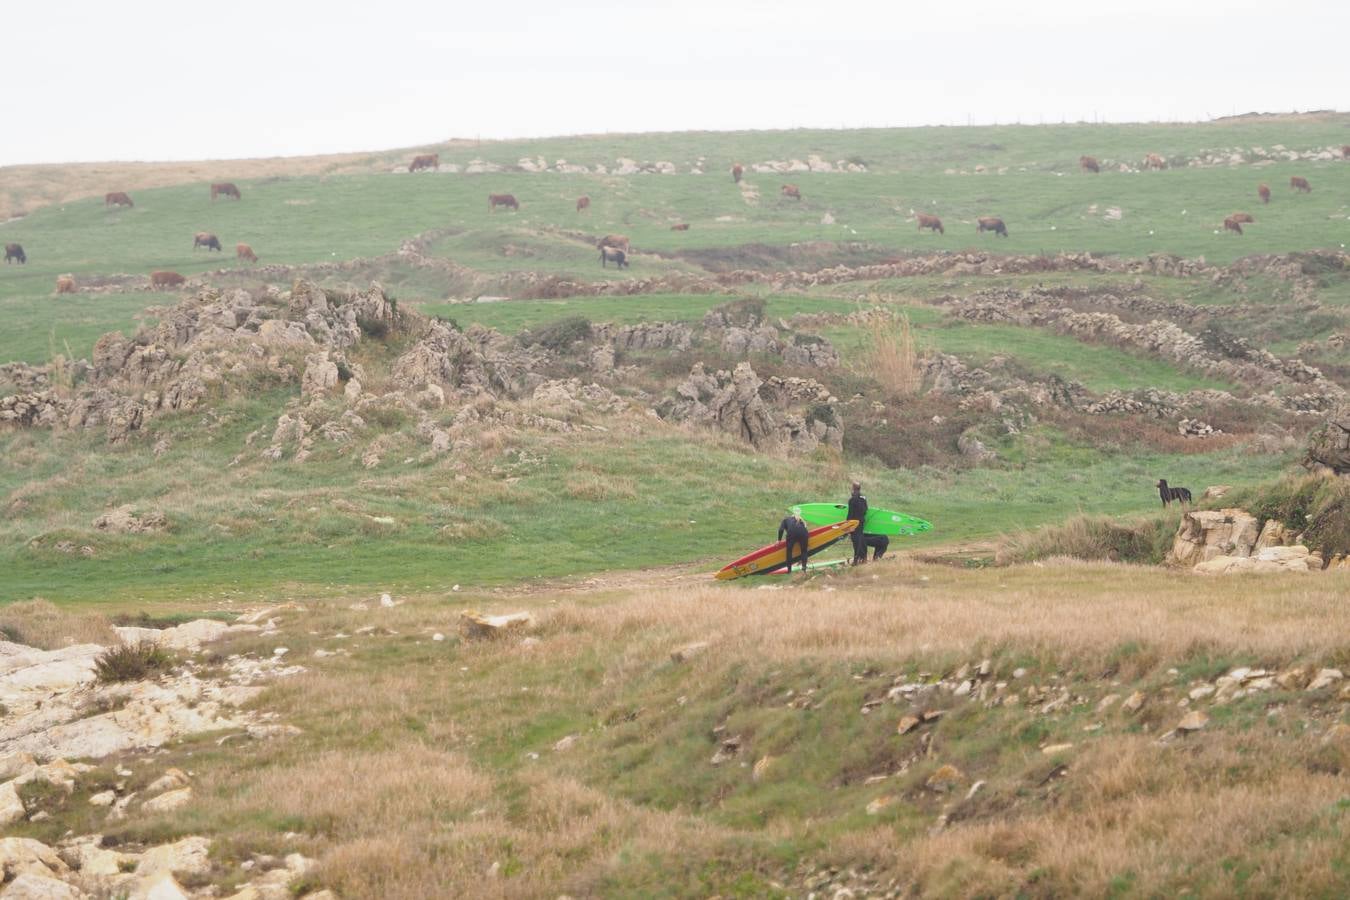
{"points": [[18, 855], [438, 636], [171, 779], [186, 857], [103, 798], [386, 600], [11, 807], [168, 801], [1325, 678], [161, 886], [29, 886]]}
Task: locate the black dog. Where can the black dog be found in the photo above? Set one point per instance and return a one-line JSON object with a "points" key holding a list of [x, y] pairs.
{"points": [[1169, 494]]}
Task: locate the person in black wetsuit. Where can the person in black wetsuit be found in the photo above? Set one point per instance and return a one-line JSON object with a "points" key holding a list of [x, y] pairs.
{"points": [[857, 512], [797, 536]]}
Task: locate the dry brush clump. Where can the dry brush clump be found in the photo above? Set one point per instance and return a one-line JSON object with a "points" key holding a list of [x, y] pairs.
{"points": [[39, 623], [889, 353]]}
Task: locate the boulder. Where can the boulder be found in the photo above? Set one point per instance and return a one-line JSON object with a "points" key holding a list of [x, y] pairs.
{"points": [[1273, 534], [187, 857], [1206, 534], [477, 626], [20, 855], [1329, 443], [168, 801], [30, 886], [320, 376]]}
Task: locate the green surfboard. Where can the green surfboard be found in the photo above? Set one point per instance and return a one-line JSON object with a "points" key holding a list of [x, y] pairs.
{"points": [[879, 521]]}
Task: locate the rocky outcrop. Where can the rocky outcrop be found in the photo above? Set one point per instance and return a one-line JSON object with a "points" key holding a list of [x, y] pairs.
{"points": [[475, 361], [1235, 361], [1271, 559], [780, 415], [1329, 443], [1205, 534]]}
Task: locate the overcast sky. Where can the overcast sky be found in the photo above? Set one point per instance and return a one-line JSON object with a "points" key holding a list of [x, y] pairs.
{"points": [[198, 79]]}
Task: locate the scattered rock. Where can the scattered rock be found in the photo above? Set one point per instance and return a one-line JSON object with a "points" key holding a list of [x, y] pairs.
{"points": [[11, 807], [31, 886], [688, 651], [1134, 702], [761, 767], [1193, 721], [187, 857], [1325, 679], [945, 778], [880, 803], [476, 626], [168, 801]]}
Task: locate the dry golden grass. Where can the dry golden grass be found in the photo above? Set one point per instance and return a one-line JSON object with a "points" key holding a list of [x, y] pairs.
{"points": [[889, 354], [1071, 610], [38, 623], [425, 768]]}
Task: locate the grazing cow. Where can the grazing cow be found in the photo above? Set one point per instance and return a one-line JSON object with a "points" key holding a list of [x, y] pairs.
{"points": [[1300, 184], [991, 223], [737, 172], [1168, 494], [614, 255], [1244, 218], [1232, 224], [117, 198], [790, 190], [683, 226], [583, 203], [244, 251], [1263, 191], [1089, 164], [1345, 152], [15, 251], [933, 222], [166, 279], [65, 284], [614, 240], [225, 187], [496, 200], [207, 240], [1154, 161], [425, 161]]}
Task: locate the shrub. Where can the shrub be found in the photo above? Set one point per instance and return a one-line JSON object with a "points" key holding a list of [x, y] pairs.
{"points": [[132, 662], [376, 329], [559, 335], [344, 372], [1093, 537], [1315, 506]]}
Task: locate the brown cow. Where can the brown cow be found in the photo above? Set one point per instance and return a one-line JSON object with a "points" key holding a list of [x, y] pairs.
{"points": [[790, 190], [614, 240], [1154, 161], [991, 223], [166, 279], [737, 171], [615, 255], [117, 198], [583, 203], [225, 187], [1300, 184], [1263, 191], [1232, 224], [244, 251], [933, 222], [683, 226], [65, 284], [205, 239], [15, 251], [496, 200], [1243, 218], [1345, 152], [1089, 164], [425, 161]]}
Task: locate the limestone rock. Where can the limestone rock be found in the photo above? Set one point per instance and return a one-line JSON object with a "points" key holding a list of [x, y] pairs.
{"points": [[1206, 534], [30, 886], [11, 807], [186, 857], [168, 801], [880, 803], [762, 767], [171, 779], [1134, 702], [321, 375], [1325, 679], [19, 855], [1272, 535], [476, 626], [1193, 721], [160, 886]]}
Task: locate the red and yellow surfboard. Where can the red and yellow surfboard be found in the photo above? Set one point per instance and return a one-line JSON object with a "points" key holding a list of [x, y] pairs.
{"points": [[774, 556]]}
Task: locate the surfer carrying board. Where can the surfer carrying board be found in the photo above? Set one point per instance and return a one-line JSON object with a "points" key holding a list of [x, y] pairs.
{"points": [[857, 512], [797, 536]]}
